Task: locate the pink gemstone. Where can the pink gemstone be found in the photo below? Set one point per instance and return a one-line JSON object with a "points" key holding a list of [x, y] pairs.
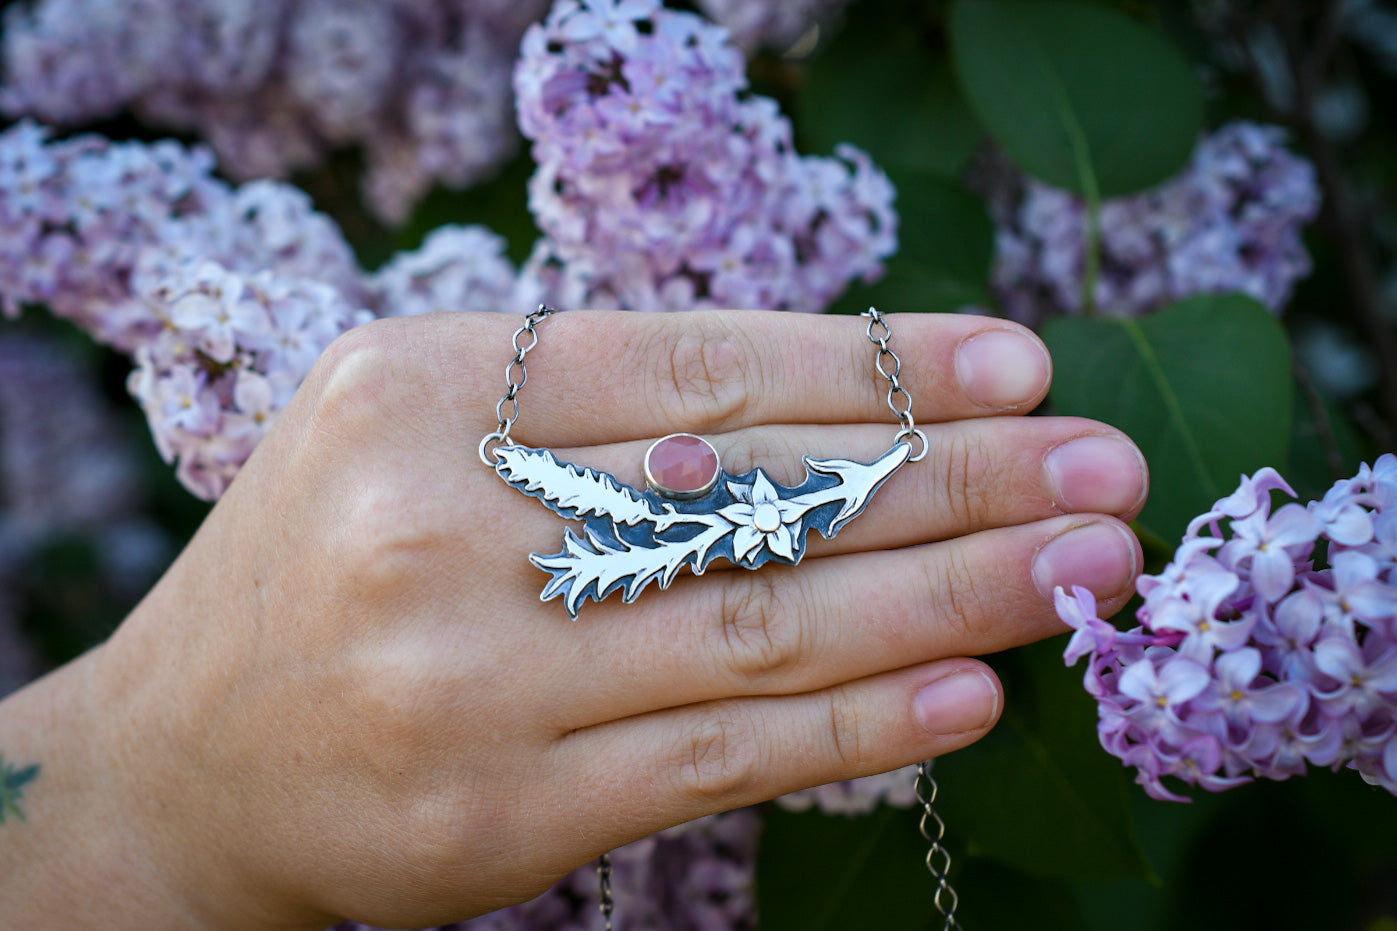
{"points": [[681, 466]]}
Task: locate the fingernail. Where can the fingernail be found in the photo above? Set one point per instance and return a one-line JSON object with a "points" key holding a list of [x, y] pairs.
{"points": [[1002, 368], [1099, 557], [966, 700], [1096, 473]]}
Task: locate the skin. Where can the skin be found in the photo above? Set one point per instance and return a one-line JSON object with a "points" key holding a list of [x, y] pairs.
{"points": [[345, 699]]}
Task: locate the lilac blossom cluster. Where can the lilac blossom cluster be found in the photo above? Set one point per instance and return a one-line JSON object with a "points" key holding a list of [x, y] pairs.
{"points": [[223, 296], [857, 796], [1267, 645], [662, 185], [773, 24], [422, 86], [1230, 221], [696, 877]]}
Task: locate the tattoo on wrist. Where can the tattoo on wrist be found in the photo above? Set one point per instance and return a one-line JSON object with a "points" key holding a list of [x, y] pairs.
{"points": [[13, 779]]}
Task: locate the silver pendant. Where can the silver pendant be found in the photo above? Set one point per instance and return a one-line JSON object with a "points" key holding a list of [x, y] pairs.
{"points": [[631, 538]]}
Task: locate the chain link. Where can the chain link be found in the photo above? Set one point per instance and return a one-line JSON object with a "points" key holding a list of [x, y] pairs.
{"points": [[516, 375], [899, 401], [938, 858], [604, 884]]}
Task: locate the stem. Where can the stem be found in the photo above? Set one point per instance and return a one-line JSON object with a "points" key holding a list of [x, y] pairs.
{"points": [[1091, 271]]}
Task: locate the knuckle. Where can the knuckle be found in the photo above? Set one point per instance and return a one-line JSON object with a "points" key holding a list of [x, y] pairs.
{"points": [[719, 759], [954, 590], [703, 382], [351, 379], [386, 546], [845, 730], [761, 640]]}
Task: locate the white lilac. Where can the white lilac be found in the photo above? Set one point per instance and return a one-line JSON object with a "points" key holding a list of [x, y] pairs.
{"points": [[1269, 644], [773, 24], [275, 85], [1230, 221], [662, 185]]}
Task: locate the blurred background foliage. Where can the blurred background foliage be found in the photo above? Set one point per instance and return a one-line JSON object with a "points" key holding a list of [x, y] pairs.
{"points": [[1103, 99]]}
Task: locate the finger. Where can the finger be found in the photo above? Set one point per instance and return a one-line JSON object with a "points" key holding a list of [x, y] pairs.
{"points": [[977, 474], [598, 377], [796, 629], [645, 773]]}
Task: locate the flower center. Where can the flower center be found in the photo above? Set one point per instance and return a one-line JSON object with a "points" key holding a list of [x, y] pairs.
{"points": [[766, 518]]}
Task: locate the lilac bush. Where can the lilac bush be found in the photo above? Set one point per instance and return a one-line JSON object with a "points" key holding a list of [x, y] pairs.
{"points": [[662, 185], [275, 85], [1268, 645], [1229, 222]]}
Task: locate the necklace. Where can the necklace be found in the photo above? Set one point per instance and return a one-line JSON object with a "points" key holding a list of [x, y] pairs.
{"points": [[691, 513]]}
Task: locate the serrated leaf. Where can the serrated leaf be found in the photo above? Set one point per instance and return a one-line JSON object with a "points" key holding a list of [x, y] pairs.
{"points": [[1080, 95], [1202, 386]]}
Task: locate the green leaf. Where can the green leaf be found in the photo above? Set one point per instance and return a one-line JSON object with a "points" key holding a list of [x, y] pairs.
{"points": [[946, 244], [876, 65], [1038, 793], [1203, 386], [818, 872], [1081, 96]]}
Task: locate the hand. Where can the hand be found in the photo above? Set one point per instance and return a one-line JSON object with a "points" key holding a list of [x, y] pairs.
{"points": [[347, 700]]}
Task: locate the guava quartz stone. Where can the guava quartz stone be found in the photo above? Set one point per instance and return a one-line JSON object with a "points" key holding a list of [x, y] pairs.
{"points": [[682, 466]]}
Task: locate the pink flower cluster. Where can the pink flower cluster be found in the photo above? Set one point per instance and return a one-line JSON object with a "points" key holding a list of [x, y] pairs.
{"points": [[275, 85], [1267, 645], [662, 185], [1230, 221], [223, 296]]}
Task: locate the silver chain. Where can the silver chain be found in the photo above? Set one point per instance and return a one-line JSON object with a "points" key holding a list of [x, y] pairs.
{"points": [[879, 334], [899, 401], [604, 886], [938, 858], [516, 382]]}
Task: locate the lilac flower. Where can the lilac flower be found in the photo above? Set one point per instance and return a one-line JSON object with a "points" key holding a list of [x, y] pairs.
{"points": [[275, 85], [1230, 221], [224, 297], [662, 186], [1261, 660]]}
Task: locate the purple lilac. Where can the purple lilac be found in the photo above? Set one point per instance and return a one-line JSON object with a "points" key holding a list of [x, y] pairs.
{"points": [[662, 185], [1254, 657], [773, 24], [275, 85], [223, 296], [696, 877], [1230, 221]]}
